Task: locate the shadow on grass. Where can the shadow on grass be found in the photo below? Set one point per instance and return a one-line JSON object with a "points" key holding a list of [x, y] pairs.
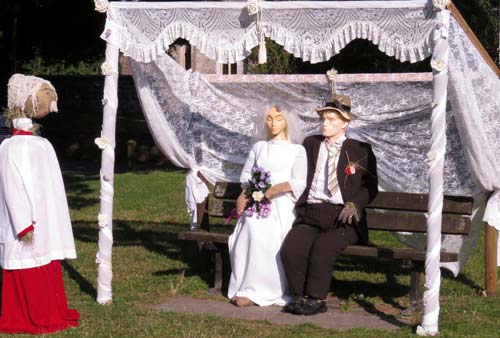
{"points": [[78, 188], [387, 290], [83, 283], [161, 238], [462, 278], [160, 241]]}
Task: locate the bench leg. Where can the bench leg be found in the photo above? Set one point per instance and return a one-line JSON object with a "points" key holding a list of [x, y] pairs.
{"points": [[414, 294], [202, 220], [203, 223], [414, 288], [217, 286]]}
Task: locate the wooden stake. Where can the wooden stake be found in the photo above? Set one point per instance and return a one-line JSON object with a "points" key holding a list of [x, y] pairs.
{"points": [[475, 41], [490, 254]]}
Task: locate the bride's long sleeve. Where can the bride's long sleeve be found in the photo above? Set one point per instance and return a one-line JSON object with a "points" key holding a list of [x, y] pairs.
{"points": [[246, 172]]}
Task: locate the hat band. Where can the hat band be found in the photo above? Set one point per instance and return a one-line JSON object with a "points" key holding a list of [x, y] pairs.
{"points": [[338, 106]]}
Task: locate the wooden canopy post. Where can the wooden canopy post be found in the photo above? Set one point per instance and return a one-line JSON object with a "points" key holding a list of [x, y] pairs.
{"points": [[490, 258]]}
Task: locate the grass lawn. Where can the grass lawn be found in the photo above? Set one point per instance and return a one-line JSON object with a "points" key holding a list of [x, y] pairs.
{"points": [[149, 265]]}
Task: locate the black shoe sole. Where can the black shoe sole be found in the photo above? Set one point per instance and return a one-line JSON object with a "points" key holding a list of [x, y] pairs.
{"points": [[321, 310]]}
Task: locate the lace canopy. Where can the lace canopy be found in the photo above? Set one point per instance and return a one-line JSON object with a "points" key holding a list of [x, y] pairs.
{"points": [[205, 122], [311, 30]]}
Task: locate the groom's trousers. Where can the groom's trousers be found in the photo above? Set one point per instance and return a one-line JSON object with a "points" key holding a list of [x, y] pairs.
{"points": [[309, 254]]}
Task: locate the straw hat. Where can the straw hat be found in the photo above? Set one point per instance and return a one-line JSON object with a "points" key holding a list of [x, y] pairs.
{"points": [[337, 103]]}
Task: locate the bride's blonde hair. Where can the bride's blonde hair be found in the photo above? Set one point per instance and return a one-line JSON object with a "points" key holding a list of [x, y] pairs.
{"points": [[293, 124]]}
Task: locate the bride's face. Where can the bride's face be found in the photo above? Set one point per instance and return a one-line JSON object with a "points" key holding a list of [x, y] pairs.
{"points": [[276, 124]]}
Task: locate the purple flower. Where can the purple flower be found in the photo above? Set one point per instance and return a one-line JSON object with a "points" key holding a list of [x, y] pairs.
{"points": [[264, 212], [250, 211], [262, 184]]}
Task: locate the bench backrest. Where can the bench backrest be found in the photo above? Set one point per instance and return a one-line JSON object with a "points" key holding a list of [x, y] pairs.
{"points": [[390, 211]]}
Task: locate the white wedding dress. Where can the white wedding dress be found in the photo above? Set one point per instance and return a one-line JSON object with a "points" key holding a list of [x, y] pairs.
{"points": [[257, 271]]}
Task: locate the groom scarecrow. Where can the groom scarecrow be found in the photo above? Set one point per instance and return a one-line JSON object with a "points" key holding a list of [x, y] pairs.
{"points": [[341, 181]]}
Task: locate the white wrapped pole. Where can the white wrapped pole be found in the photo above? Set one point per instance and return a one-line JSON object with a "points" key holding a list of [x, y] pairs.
{"points": [[107, 143], [435, 158]]}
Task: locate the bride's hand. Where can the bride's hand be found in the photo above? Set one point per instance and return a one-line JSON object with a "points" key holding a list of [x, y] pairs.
{"points": [[241, 203], [280, 188], [271, 192]]}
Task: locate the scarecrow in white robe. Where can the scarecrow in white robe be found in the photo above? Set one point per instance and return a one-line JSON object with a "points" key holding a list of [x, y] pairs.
{"points": [[35, 227]]}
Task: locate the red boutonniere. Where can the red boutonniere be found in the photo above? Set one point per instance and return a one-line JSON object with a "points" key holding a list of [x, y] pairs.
{"points": [[352, 166], [350, 170]]}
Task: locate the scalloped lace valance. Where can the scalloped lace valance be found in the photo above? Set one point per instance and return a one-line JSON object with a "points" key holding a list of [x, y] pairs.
{"points": [[311, 30]]}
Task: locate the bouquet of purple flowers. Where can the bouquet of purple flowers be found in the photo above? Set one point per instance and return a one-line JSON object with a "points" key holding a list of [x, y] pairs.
{"points": [[255, 192]]}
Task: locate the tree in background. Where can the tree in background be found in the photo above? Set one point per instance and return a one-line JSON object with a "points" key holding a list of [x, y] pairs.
{"points": [[62, 36]]}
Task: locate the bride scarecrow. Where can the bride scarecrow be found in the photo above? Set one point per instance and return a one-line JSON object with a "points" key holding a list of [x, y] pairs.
{"points": [[35, 227]]}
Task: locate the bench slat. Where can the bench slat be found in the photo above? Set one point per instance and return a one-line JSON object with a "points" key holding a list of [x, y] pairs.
{"points": [[203, 236], [388, 220], [352, 250], [384, 200], [226, 190], [415, 222], [418, 202], [411, 254]]}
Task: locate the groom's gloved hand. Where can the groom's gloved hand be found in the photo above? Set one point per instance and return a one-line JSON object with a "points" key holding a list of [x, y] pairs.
{"points": [[349, 214]]}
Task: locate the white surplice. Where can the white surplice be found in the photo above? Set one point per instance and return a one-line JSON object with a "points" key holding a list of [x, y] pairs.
{"points": [[254, 246], [32, 191]]}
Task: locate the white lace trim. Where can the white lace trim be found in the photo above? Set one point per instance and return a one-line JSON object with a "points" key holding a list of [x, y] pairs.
{"points": [[354, 30], [218, 34]]}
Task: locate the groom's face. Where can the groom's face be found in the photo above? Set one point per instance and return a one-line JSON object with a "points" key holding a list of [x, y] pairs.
{"points": [[333, 125]]}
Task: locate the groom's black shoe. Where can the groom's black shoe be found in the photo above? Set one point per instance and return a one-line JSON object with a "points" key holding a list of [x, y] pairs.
{"points": [[294, 304], [311, 306]]}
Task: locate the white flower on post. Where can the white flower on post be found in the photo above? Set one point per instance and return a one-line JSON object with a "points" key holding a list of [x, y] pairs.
{"points": [[102, 220], [101, 5], [438, 65], [431, 157], [102, 142], [440, 4], [253, 6], [106, 69], [258, 196], [332, 74]]}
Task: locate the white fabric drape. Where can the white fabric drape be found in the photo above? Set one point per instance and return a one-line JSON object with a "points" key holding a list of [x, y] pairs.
{"points": [[311, 30], [211, 117], [474, 90]]}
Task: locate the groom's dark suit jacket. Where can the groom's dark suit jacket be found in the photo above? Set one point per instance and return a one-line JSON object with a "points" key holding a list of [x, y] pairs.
{"points": [[359, 188]]}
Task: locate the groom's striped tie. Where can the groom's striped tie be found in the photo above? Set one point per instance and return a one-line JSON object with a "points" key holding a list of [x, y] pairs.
{"points": [[333, 184]]}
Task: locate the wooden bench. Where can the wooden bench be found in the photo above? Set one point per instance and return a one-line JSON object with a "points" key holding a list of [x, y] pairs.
{"points": [[390, 211]]}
